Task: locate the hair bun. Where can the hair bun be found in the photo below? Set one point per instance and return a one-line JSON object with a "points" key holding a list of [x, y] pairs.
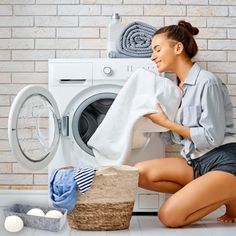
{"points": [[192, 30]]}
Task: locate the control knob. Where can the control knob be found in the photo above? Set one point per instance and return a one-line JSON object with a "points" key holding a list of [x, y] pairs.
{"points": [[107, 71]]}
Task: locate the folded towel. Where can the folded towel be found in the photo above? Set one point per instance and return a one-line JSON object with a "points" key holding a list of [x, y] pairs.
{"points": [[124, 126], [134, 41]]}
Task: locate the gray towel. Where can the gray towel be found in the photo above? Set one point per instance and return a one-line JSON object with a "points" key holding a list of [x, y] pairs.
{"points": [[134, 41]]}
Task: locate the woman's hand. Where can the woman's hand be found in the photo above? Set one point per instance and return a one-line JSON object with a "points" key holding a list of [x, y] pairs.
{"points": [[159, 118]]}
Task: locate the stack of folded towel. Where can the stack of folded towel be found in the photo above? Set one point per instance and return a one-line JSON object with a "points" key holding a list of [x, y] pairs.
{"points": [[134, 41]]}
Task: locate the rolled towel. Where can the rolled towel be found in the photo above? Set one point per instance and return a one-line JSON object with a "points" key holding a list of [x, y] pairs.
{"points": [[134, 41]]}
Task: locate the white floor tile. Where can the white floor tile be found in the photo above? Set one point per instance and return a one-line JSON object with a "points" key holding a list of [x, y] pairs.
{"points": [[150, 225], [64, 232], [193, 230], [140, 226], [24, 232], [87, 233]]}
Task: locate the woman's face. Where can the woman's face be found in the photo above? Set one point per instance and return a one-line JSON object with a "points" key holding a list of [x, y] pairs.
{"points": [[163, 53]]}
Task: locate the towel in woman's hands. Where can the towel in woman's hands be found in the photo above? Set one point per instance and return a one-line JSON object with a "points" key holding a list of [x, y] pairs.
{"points": [[124, 128]]}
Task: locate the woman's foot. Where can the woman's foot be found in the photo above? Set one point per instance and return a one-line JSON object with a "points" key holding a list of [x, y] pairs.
{"points": [[227, 219], [230, 214]]}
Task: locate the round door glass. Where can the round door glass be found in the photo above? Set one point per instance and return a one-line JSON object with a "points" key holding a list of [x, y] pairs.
{"points": [[36, 128], [89, 116]]}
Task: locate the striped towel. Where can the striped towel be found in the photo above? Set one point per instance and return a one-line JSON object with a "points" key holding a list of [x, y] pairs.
{"points": [[84, 178]]}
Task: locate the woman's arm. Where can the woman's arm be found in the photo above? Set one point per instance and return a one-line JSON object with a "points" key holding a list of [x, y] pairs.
{"points": [[160, 118], [211, 128]]}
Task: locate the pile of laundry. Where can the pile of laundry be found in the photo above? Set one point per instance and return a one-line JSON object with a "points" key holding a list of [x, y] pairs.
{"points": [[65, 183]]}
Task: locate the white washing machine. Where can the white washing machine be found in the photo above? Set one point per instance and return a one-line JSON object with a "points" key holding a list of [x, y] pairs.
{"points": [[51, 128]]}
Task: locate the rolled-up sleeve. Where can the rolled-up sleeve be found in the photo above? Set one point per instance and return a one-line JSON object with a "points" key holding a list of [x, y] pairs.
{"points": [[211, 130], [198, 137]]}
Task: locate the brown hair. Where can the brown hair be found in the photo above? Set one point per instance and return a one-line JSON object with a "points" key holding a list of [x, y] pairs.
{"points": [[183, 32]]}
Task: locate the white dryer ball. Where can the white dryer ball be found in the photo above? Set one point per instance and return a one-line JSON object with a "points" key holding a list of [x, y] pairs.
{"points": [[13, 224], [54, 214], [35, 212]]}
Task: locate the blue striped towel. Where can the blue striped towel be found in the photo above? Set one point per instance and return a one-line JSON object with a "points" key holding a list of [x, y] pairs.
{"points": [[84, 178]]}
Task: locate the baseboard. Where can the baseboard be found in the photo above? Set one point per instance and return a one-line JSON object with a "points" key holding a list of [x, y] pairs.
{"points": [[8, 197]]}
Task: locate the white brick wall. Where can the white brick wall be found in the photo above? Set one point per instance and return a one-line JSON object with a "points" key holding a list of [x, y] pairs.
{"points": [[31, 31], [36, 10], [16, 21]]}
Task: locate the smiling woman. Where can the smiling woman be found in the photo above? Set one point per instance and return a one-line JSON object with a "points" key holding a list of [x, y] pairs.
{"points": [[205, 178], [178, 37]]}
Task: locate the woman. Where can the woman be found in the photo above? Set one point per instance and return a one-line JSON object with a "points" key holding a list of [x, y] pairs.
{"points": [[205, 178]]}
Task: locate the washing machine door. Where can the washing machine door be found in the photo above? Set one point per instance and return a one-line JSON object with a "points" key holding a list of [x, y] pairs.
{"points": [[34, 127]]}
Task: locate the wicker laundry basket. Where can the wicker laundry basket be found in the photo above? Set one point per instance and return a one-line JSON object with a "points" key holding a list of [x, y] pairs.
{"points": [[108, 204]]}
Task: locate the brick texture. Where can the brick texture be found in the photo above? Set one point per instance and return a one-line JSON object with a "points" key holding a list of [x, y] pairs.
{"points": [[32, 31]]}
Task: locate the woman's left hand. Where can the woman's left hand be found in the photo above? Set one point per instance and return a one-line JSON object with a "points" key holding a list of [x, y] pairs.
{"points": [[159, 118]]}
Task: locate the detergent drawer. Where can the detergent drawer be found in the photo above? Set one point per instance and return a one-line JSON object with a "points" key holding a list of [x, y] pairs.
{"points": [[70, 73]]}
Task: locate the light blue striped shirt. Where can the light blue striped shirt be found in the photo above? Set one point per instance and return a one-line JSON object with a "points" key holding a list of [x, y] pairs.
{"points": [[207, 110]]}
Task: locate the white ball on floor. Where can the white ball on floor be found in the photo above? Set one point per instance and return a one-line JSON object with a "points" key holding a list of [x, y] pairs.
{"points": [[35, 212], [54, 214], [13, 224]]}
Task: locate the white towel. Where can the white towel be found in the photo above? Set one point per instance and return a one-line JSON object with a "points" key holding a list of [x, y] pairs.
{"points": [[124, 126]]}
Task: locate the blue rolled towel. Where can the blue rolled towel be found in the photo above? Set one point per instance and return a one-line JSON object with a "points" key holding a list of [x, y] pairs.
{"points": [[134, 41]]}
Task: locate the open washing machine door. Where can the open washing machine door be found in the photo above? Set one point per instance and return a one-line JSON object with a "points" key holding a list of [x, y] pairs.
{"points": [[33, 141]]}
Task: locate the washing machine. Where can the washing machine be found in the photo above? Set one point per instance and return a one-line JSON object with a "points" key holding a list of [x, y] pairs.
{"points": [[50, 127]]}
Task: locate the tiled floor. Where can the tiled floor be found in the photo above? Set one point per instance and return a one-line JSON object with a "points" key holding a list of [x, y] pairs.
{"points": [[140, 226]]}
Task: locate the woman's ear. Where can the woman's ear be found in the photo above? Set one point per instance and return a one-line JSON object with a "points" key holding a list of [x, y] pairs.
{"points": [[179, 48]]}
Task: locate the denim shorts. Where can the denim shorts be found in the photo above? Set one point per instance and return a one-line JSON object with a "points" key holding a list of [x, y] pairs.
{"points": [[222, 158]]}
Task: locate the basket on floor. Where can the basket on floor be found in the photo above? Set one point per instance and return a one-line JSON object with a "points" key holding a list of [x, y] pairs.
{"points": [[108, 204]]}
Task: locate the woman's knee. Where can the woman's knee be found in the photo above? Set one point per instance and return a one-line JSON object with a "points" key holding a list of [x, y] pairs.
{"points": [[169, 217], [147, 173]]}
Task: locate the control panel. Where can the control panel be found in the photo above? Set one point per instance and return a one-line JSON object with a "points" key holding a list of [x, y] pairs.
{"points": [[87, 72], [120, 69]]}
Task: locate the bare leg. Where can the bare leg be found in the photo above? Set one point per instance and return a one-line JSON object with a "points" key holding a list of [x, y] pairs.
{"points": [[164, 175], [230, 214], [198, 198]]}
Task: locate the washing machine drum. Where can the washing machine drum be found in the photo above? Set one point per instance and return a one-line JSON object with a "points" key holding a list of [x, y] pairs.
{"points": [[88, 117]]}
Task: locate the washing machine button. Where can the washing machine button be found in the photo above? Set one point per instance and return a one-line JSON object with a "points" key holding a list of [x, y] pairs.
{"points": [[107, 71]]}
